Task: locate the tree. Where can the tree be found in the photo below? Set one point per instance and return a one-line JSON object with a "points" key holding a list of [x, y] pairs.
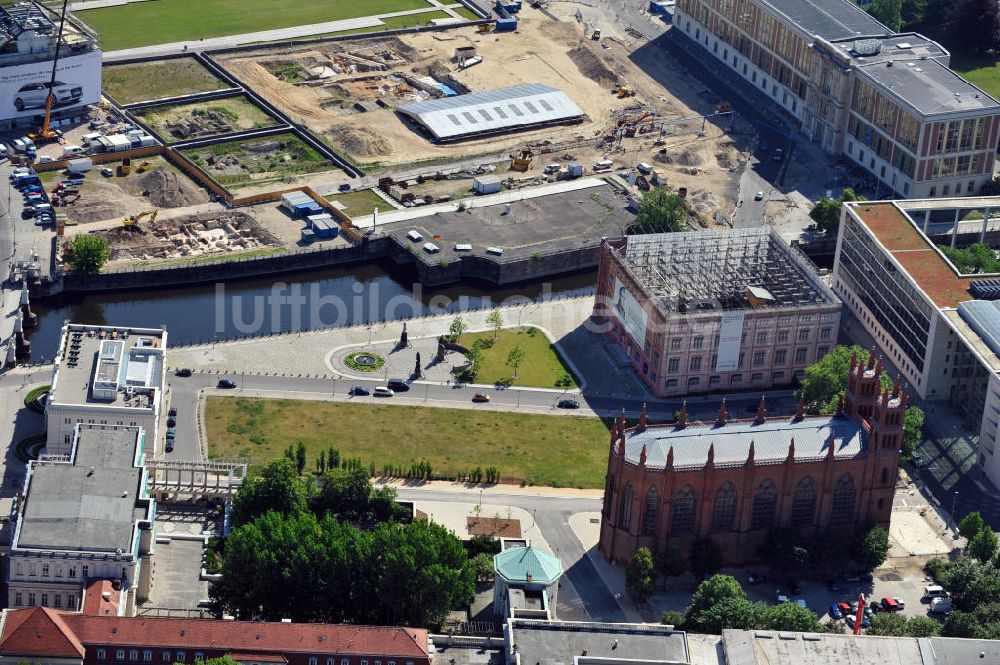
{"points": [[739, 613], [483, 566], [457, 327], [278, 488], [672, 618], [975, 25], [495, 319], [640, 575], [515, 358], [970, 525], [669, 562], [888, 12], [960, 624], [871, 547], [705, 558], [826, 212], [475, 360], [913, 427], [660, 212], [826, 379], [221, 660], [88, 253], [912, 13], [300, 457], [783, 549], [709, 594], [344, 494], [976, 258], [983, 545], [790, 616], [922, 627], [888, 624]]}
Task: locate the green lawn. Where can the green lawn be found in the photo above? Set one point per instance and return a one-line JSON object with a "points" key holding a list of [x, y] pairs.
{"points": [[556, 451], [541, 367], [360, 203], [983, 71], [162, 21], [391, 23], [128, 84], [467, 13]]}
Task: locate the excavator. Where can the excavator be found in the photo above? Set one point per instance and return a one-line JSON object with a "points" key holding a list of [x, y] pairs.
{"points": [[46, 134], [132, 221]]}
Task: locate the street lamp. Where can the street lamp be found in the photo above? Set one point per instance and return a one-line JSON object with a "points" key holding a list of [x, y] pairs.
{"points": [[953, 500]]}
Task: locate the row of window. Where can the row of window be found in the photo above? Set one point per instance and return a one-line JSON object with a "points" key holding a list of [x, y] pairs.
{"points": [[57, 599], [762, 337], [763, 513], [736, 379], [180, 656], [759, 359], [31, 568]]}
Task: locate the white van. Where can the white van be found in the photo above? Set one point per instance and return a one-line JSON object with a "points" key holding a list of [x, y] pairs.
{"points": [[4, 153], [72, 151], [934, 591], [18, 145], [604, 165], [644, 168]]}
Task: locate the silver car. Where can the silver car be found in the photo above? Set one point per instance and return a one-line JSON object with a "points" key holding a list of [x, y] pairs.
{"points": [[33, 95]]}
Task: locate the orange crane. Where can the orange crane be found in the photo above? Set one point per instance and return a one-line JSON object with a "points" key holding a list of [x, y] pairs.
{"points": [[46, 134]]}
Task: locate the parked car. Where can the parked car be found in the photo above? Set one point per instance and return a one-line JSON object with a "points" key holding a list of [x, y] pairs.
{"points": [[171, 422], [480, 397], [779, 154], [850, 619], [344, 187], [759, 196], [107, 173], [934, 591], [359, 391], [170, 446], [171, 432], [172, 412], [568, 404], [398, 385], [383, 391], [941, 605], [835, 612], [890, 605], [183, 371], [844, 608], [226, 384]]}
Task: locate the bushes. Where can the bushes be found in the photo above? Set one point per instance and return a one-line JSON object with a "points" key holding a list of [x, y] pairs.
{"points": [[31, 400]]}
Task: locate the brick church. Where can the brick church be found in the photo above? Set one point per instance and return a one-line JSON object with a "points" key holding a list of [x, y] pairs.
{"points": [[733, 480]]}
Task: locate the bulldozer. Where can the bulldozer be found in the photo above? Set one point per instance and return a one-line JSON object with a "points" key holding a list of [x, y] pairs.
{"points": [[521, 161], [142, 168], [125, 167], [132, 221], [625, 91]]}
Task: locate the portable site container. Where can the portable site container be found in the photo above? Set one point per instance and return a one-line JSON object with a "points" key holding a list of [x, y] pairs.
{"points": [[290, 200], [308, 236], [506, 25], [487, 184]]}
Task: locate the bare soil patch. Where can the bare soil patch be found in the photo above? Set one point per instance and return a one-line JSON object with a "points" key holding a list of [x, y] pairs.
{"points": [[493, 526]]}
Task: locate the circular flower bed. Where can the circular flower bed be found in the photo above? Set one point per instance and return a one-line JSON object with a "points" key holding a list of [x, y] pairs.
{"points": [[365, 361]]}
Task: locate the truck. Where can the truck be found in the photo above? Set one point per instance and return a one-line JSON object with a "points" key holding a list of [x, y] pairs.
{"points": [[596, 34]]}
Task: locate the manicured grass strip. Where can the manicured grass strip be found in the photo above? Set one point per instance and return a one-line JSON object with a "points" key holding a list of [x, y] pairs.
{"points": [[144, 81], [360, 203], [982, 71], [541, 367], [164, 21], [557, 451]]}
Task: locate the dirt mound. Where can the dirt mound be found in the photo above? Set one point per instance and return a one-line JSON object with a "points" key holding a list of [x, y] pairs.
{"points": [[166, 189], [591, 66], [690, 158], [360, 142]]}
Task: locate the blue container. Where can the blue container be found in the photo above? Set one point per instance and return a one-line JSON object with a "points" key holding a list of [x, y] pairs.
{"points": [[506, 25]]}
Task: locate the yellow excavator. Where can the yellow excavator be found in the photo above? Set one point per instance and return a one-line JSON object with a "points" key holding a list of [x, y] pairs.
{"points": [[46, 134], [132, 221]]}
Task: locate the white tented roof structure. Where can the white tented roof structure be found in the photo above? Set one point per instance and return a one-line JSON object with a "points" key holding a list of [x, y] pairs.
{"points": [[492, 112]]}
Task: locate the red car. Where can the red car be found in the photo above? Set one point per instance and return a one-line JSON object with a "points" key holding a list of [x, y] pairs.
{"points": [[844, 608], [890, 605], [480, 397]]}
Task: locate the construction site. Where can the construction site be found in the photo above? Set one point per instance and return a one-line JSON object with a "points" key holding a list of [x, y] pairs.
{"points": [[184, 122], [145, 238], [350, 93]]}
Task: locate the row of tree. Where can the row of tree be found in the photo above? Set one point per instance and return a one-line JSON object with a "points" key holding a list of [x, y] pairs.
{"points": [[968, 27], [826, 380], [336, 550]]}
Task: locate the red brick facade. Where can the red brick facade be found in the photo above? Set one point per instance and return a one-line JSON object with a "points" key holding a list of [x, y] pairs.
{"points": [[674, 505]]}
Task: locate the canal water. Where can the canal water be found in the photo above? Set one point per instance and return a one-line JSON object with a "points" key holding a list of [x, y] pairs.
{"points": [[310, 300]]}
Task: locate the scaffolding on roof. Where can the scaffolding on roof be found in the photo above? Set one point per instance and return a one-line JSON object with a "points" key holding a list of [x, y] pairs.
{"points": [[712, 271]]}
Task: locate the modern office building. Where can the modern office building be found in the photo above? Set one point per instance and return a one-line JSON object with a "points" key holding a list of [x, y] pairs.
{"points": [[85, 516], [104, 375], [734, 480], [888, 102], [939, 326], [711, 311], [28, 35]]}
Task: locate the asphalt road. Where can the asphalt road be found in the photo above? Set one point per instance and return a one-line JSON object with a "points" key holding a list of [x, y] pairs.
{"points": [[582, 588]]}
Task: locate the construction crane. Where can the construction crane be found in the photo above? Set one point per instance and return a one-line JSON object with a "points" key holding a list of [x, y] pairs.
{"points": [[132, 221], [46, 134]]}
